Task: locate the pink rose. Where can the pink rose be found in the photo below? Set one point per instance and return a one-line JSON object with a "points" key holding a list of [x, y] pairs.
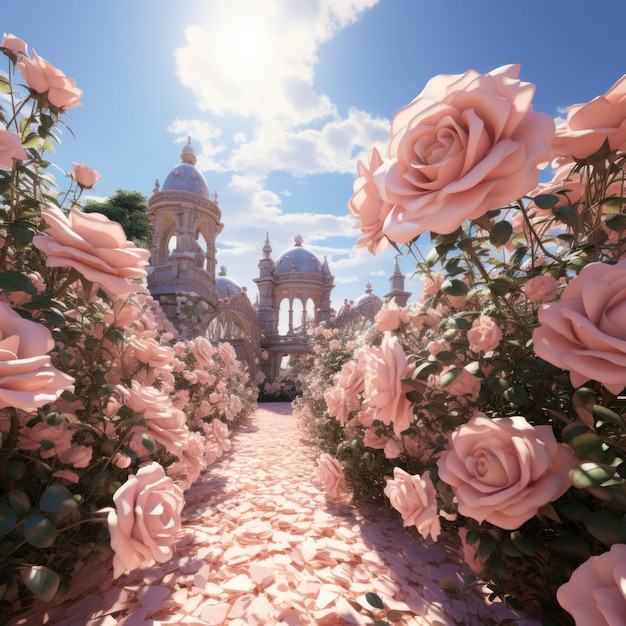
{"points": [[596, 593], [10, 148], [219, 433], [336, 404], [541, 288], [484, 335], [145, 520], [585, 332], [392, 449], [77, 456], [43, 78], [330, 474], [385, 367], [367, 206], [27, 378], [58, 435], [504, 469], [96, 247], [350, 379], [203, 351], [467, 144], [14, 45], [372, 440], [415, 498], [390, 316], [152, 353], [85, 176], [589, 125]]}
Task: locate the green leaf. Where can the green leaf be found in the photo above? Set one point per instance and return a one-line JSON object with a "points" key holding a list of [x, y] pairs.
{"points": [[449, 377], [39, 531], [587, 446], [5, 86], [373, 599], [500, 233], [546, 200], [525, 543], [8, 518], [454, 287], [517, 396], [15, 281], [42, 581], [57, 499], [445, 355], [426, 369], [472, 536], [148, 442], [15, 469], [486, 549], [570, 547], [590, 475], [616, 222], [606, 527], [20, 502], [22, 235], [607, 415]]}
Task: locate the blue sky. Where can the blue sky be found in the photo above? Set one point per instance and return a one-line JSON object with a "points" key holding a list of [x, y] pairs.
{"points": [[281, 96]]}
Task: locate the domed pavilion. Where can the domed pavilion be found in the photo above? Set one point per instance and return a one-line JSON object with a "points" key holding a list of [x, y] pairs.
{"points": [[294, 289]]}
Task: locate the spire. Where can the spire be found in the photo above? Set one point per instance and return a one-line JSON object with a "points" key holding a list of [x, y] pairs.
{"points": [[368, 288], [396, 283], [267, 249], [188, 155]]}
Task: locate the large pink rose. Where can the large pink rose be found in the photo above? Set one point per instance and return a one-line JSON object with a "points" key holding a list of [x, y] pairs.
{"points": [[385, 368], [367, 206], [589, 125], [145, 520], [96, 247], [330, 474], [10, 148], [467, 144], [596, 591], [503, 470], [585, 332], [415, 498], [27, 378], [43, 78]]}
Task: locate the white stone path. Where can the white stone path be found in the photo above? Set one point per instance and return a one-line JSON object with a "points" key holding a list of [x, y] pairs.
{"points": [[261, 545]]}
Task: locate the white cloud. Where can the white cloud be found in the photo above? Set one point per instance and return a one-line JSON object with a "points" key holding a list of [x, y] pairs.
{"points": [[251, 67]]}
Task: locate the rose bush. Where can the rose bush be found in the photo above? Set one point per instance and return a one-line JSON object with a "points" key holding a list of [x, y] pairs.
{"points": [[104, 411], [514, 345]]}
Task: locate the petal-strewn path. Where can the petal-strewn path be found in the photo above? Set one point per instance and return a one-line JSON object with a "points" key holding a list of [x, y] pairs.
{"points": [[261, 545]]}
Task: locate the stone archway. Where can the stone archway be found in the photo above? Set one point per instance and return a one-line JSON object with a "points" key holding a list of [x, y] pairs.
{"points": [[235, 321]]}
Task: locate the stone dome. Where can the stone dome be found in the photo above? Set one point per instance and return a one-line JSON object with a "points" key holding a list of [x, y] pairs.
{"points": [[297, 259], [368, 299], [186, 176], [225, 286]]}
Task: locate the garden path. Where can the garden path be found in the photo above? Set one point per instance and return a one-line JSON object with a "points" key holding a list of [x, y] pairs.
{"points": [[261, 545]]}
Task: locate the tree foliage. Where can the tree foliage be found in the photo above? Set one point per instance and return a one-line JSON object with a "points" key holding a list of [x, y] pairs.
{"points": [[130, 209]]}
